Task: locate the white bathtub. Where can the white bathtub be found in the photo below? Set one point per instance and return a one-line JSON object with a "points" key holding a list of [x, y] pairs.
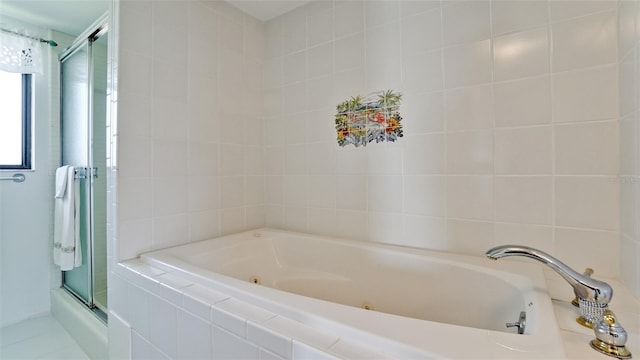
{"points": [[435, 304]]}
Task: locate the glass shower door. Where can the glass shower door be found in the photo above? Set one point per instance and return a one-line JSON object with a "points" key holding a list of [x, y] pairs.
{"points": [[75, 103], [99, 163], [83, 143]]}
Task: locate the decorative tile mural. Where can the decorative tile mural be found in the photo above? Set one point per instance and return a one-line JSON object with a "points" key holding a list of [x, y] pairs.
{"points": [[361, 120]]}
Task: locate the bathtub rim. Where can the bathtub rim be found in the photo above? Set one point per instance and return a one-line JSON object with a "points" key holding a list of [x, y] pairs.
{"points": [[365, 325]]}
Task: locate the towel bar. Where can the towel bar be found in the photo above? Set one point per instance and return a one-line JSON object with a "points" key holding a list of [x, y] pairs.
{"points": [[16, 178]]}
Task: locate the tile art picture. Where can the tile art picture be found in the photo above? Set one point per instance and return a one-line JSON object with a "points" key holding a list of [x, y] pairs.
{"points": [[376, 117]]}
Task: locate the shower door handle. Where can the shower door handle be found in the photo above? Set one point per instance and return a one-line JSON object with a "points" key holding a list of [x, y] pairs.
{"points": [[84, 172]]}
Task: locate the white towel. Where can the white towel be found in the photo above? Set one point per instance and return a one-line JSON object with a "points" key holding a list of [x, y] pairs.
{"points": [[66, 238], [61, 181]]}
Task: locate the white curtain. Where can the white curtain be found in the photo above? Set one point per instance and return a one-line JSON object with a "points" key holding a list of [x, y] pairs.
{"points": [[20, 54]]}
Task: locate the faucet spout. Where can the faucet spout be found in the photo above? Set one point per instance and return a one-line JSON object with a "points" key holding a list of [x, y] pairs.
{"points": [[584, 287]]}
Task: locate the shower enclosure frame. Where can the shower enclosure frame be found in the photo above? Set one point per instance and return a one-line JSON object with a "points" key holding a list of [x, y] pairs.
{"points": [[86, 39]]}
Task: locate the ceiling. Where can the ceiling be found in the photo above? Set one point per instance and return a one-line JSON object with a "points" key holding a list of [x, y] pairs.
{"points": [[68, 16], [266, 9], [74, 16]]}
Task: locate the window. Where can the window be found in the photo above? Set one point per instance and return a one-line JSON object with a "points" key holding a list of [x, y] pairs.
{"points": [[15, 121]]}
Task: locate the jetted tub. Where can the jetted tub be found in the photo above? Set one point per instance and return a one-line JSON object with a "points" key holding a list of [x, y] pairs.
{"points": [[437, 304]]}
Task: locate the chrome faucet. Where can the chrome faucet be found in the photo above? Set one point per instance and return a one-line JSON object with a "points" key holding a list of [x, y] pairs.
{"points": [[593, 298], [585, 287]]}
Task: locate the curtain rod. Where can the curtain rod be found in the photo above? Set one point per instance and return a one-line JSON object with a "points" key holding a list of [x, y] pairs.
{"points": [[49, 42]]}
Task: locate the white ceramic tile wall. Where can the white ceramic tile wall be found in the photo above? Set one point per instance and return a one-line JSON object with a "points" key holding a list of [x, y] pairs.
{"points": [[629, 107], [191, 161], [511, 125]]}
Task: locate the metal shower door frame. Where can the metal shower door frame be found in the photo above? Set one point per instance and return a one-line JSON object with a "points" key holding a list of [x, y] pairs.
{"points": [[87, 38]]}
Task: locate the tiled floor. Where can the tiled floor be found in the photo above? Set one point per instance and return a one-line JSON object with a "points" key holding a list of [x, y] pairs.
{"points": [[38, 338]]}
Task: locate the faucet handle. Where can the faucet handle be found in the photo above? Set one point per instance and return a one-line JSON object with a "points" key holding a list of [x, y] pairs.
{"points": [[610, 337], [587, 272]]}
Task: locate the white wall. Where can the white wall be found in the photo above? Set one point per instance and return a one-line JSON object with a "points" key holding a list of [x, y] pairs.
{"points": [[27, 273], [186, 152], [511, 125], [189, 137], [510, 113], [629, 57]]}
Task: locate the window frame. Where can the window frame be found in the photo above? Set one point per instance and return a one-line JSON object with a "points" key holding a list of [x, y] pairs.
{"points": [[27, 146]]}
